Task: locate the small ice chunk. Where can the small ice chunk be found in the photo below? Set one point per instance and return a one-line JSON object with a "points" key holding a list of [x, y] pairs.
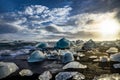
{"points": [[112, 50], [65, 75], [93, 57], [115, 76], [67, 57], [115, 57], [116, 65], [26, 72], [45, 76], [104, 59], [78, 76], [74, 65]]}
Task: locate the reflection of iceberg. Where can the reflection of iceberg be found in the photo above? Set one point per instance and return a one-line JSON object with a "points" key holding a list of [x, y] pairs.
{"points": [[63, 43], [7, 68], [74, 65], [115, 57], [36, 56]]}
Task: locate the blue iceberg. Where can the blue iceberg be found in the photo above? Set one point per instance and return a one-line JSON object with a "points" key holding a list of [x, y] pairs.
{"points": [[67, 57], [42, 45], [36, 56], [63, 43]]}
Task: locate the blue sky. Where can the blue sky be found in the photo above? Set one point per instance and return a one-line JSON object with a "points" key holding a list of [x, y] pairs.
{"points": [[54, 19], [14, 5]]}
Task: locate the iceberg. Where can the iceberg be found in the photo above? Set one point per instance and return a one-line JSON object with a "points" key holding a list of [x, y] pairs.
{"points": [[36, 56], [53, 55], [67, 57], [45, 76], [115, 76], [115, 57], [74, 65], [68, 75], [63, 43], [116, 65], [7, 68], [104, 58], [78, 76], [42, 45], [26, 72], [112, 50], [65, 75], [89, 45]]}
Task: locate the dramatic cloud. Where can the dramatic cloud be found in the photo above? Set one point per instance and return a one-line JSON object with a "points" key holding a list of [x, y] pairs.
{"points": [[75, 19], [8, 28]]}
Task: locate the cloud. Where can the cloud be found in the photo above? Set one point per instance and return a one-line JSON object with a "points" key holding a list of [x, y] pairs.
{"points": [[54, 28], [42, 14], [78, 19], [8, 28]]}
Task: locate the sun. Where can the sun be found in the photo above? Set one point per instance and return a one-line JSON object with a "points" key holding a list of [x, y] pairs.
{"points": [[109, 27]]}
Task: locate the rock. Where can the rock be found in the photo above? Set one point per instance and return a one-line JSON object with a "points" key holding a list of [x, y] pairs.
{"points": [[42, 45], [74, 65], [68, 75], [116, 65], [26, 72], [67, 57], [115, 57], [112, 50], [63, 43], [36, 56], [7, 68], [45, 76]]}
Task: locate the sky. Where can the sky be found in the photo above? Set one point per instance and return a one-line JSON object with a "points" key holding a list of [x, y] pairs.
{"points": [[43, 20]]}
